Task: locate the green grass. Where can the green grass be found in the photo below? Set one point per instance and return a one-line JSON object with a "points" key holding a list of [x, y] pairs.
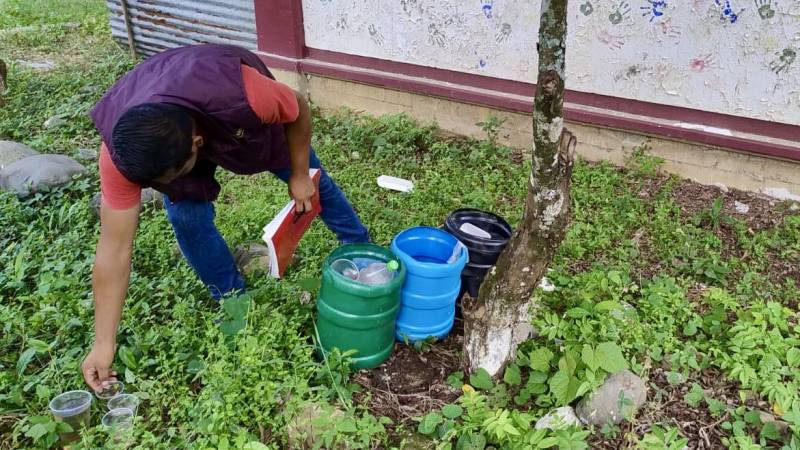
{"points": [[633, 275]]}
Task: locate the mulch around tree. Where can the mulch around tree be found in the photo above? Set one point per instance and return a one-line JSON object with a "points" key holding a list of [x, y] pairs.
{"points": [[414, 382]]}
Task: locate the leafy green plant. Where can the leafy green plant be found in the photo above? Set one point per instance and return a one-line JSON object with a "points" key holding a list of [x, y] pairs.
{"points": [[663, 439], [637, 283], [642, 163]]}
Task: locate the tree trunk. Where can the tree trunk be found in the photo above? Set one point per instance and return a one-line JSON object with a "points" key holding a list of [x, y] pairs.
{"points": [[499, 320]]}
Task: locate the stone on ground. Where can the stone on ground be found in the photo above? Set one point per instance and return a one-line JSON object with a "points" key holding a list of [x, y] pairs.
{"points": [[41, 66], [558, 419], [11, 151], [39, 172], [607, 405], [54, 122], [86, 154], [305, 429]]}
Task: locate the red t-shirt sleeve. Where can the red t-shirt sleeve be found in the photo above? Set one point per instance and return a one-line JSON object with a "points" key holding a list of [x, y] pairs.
{"points": [[117, 192], [272, 101]]}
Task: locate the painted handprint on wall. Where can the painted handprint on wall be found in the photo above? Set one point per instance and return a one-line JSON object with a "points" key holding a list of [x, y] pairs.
{"points": [[341, 24], [765, 10], [503, 32], [409, 6], [654, 9], [486, 6], [375, 35], [436, 36], [784, 60], [728, 13], [669, 29], [587, 8], [702, 63], [612, 41], [619, 13]]}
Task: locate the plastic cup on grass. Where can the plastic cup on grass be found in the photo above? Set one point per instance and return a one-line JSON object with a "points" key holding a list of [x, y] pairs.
{"points": [[74, 409], [118, 424], [129, 401]]}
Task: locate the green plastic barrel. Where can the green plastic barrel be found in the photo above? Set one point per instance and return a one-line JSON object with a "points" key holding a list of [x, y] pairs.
{"points": [[357, 316]]}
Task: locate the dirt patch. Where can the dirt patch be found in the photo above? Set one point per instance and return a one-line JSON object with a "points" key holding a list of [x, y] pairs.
{"points": [[782, 271], [412, 382], [652, 186], [761, 212], [666, 408]]}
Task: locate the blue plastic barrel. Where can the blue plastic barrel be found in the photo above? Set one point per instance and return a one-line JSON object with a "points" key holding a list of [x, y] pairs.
{"points": [[429, 294]]}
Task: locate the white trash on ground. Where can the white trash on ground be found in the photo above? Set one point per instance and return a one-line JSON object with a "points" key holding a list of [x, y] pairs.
{"points": [[395, 184]]}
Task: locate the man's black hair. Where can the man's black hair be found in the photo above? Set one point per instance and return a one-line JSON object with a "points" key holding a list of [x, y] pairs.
{"points": [[150, 139]]}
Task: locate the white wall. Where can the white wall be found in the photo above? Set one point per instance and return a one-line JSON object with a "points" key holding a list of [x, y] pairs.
{"points": [[740, 57]]}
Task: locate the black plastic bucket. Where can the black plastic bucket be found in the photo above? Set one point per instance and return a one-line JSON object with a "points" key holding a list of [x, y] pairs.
{"points": [[483, 252]]}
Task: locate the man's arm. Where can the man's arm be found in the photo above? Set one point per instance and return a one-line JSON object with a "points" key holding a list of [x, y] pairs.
{"points": [[110, 277], [298, 137]]}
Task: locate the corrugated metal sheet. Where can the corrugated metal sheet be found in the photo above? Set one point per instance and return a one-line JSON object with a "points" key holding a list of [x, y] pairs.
{"points": [[163, 24]]}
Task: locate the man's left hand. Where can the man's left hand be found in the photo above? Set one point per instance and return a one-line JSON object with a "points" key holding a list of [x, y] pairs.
{"points": [[301, 188]]}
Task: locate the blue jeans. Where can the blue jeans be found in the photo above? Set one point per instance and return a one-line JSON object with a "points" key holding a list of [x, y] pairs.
{"points": [[209, 255]]}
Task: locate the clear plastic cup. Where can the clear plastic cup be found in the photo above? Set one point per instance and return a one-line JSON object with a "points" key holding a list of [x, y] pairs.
{"points": [[129, 401], [118, 419], [346, 268], [111, 390], [118, 424], [74, 409]]}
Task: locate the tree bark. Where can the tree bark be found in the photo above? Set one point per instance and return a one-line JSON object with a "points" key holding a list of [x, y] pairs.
{"points": [[499, 319]]}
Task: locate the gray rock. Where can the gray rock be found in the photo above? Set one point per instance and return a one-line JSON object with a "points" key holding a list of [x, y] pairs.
{"points": [[42, 66], [252, 258], [558, 419], [149, 197], [305, 431], [39, 172], [86, 154], [54, 122], [607, 404], [152, 197], [89, 89], [11, 151]]}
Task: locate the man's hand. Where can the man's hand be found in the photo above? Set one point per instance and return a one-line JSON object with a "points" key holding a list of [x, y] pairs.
{"points": [[301, 188], [96, 367]]}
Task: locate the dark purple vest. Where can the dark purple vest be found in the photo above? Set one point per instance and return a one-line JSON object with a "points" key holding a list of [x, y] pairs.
{"points": [[206, 79]]}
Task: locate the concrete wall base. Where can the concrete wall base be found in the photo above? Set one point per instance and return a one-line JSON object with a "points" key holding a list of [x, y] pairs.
{"points": [[701, 163]]}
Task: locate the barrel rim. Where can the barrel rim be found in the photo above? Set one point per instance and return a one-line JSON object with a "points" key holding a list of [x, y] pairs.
{"points": [[430, 268], [478, 241], [361, 289]]}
